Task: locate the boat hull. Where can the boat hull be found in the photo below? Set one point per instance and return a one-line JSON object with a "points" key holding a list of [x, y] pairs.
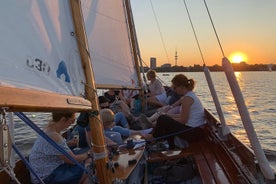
{"points": [[217, 159]]}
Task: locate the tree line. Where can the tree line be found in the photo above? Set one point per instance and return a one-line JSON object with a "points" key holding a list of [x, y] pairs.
{"points": [[215, 68]]}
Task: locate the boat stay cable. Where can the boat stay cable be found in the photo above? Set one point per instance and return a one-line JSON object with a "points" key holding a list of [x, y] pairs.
{"points": [[5, 147], [243, 111], [224, 128], [158, 26]]}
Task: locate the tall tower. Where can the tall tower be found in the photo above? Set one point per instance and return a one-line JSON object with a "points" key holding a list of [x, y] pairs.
{"points": [[175, 58], [152, 63]]}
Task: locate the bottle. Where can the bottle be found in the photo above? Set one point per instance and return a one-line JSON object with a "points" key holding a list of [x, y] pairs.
{"points": [[137, 106]]}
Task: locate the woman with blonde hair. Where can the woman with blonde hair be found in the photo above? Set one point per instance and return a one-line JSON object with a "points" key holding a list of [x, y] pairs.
{"points": [[157, 94]]}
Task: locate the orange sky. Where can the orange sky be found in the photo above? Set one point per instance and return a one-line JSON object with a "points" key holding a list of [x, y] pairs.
{"points": [[245, 26]]}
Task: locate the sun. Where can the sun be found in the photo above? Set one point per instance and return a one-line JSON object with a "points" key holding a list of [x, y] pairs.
{"points": [[238, 57]]}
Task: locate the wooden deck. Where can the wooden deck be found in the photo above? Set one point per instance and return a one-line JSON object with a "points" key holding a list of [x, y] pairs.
{"points": [[22, 175], [214, 165], [127, 161]]}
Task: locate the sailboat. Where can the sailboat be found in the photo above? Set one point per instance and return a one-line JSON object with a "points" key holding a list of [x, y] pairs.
{"points": [[55, 54]]}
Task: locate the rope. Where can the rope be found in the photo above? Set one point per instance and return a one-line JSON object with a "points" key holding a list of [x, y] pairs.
{"points": [[172, 134], [163, 43], [11, 173], [192, 25], [23, 117], [26, 163], [215, 31]]}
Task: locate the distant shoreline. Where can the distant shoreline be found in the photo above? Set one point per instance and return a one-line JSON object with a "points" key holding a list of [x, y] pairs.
{"points": [[215, 68]]}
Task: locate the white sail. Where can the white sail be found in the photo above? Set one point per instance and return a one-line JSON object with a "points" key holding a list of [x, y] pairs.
{"points": [[38, 49], [109, 43]]}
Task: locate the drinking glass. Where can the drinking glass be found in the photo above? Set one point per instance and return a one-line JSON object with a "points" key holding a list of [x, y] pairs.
{"points": [[76, 136]]}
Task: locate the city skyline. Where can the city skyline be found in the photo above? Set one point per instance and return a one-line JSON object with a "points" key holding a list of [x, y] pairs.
{"points": [[243, 27]]}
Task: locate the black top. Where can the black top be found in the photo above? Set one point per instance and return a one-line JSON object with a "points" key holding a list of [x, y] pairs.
{"points": [[112, 98]]}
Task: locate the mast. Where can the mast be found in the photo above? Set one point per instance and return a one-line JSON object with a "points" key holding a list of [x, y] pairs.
{"points": [[134, 44], [104, 175]]}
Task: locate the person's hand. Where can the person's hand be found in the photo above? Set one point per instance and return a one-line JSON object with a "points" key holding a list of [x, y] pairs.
{"points": [[165, 109], [72, 142]]}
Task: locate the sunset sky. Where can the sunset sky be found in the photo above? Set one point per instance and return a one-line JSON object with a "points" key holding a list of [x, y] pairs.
{"points": [[246, 27]]}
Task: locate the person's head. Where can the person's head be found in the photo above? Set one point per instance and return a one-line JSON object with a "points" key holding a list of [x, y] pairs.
{"points": [[107, 116], [151, 74], [180, 81], [67, 117], [103, 102]]}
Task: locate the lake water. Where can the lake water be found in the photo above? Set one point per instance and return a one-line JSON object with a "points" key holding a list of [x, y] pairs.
{"points": [[258, 90]]}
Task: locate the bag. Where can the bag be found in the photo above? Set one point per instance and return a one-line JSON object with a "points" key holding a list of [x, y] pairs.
{"points": [[177, 170]]}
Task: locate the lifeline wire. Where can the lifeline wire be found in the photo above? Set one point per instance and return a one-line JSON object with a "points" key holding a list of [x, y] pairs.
{"points": [[194, 32], [163, 43], [215, 31], [26, 163]]}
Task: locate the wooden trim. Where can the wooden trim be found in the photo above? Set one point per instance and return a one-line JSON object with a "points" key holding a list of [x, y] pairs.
{"points": [[124, 169], [113, 86], [28, 100]]}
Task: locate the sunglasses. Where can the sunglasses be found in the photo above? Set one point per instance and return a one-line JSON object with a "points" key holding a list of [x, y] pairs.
{"points": [[104, 107]]}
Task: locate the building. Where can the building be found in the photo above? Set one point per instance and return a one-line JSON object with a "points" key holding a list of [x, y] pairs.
{"points": [[152, 63], [167, 65]]}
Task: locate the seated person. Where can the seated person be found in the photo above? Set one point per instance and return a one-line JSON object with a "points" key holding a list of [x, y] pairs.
{"points": [[157, 93], [119, 117], [49, 163], [172, 106], [113, 95], [190, 118], [109, 125], [129, 96], [172, 98], [84, 133], [117, 103]]}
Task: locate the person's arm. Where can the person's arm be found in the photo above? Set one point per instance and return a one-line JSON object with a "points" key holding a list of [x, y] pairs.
{"points": [[177, 103], [185, 109], [81, 157], [72, 142], [109, 142]]}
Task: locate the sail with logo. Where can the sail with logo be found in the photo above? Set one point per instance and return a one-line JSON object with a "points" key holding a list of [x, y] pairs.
{"points": [[39, 57]]}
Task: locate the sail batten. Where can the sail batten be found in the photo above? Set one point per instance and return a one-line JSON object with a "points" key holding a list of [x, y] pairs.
{"points": [[39, 101]]}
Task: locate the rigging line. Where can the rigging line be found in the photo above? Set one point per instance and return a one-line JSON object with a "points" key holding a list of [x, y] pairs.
{"points": [[27, 164], [214, 28], [192, 25], [82, 44], [162, 39]]}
